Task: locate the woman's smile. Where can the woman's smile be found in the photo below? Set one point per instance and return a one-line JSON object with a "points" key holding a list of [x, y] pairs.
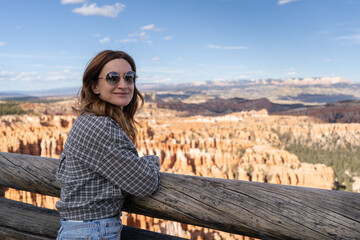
{"points": [[121, 93]]}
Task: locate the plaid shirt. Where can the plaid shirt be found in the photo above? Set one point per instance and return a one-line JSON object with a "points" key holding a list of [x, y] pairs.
{"points": [[98, 166]]}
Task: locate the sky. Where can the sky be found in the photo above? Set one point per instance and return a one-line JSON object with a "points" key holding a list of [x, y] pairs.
{"points": [[46, 44]]}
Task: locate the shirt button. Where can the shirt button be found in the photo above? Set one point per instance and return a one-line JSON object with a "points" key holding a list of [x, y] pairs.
{"points": [[106, 224]]}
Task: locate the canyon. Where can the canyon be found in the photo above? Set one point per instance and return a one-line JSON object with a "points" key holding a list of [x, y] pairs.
{"points": [[245, 145], [338, 112]]}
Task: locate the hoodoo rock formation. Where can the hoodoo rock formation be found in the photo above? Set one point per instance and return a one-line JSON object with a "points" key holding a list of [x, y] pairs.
{"points": [[35, 135], [235, 146]]}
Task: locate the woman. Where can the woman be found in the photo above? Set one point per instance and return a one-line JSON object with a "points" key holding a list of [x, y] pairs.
{"points": [[100, 164]]}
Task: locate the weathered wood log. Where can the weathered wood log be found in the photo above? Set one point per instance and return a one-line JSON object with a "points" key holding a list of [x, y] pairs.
{"points": [[29, 173], [12, 234], [27, 218], [25, 221], [261, 210]]}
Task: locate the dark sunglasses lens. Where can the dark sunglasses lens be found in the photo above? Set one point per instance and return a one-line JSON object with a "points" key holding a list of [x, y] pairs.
{"points": [[112, 78], [130, 77]]}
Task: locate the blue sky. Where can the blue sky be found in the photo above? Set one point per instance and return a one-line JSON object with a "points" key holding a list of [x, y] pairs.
{"points": [[46, 44]]}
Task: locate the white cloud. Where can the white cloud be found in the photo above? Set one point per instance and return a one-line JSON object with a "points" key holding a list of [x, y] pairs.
{"points": [[281, 2], [21, 77], [6, 74], [39, 80], [254, 73], [351, 38], [136, 36], [156, 59], [37, 65], [106, 10], [159, 74], [104, 40], [292, 73], [150, 27], [64, 76], [127, 40], [168, 37], [72, 1], [2, 44], [28, 77], [328, 60], [226, 47], [96, 35], [141, 35], [291, 69]]}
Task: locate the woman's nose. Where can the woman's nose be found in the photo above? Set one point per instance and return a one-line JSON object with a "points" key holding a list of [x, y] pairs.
{"points": [[122, 83]]}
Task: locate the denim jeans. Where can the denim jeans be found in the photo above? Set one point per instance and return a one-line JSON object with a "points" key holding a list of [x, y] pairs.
{"points": [[101, 229]]}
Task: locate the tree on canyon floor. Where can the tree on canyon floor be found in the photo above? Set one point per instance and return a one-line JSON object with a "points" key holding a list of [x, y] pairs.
{"points": [[344, 160], [11, 108]]}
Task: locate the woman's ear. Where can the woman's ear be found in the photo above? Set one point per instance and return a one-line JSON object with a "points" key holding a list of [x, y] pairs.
{"points": [[95, 89]]}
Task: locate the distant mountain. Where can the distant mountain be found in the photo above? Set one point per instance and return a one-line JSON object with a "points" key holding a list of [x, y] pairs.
{"points": [[305, 81], [32, 95], [338, 112], [319, 98], [220, 106], [225, 84], [282, 91]]}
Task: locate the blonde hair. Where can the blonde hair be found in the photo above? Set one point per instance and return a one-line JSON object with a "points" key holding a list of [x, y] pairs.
{"points": [[90, 102]]}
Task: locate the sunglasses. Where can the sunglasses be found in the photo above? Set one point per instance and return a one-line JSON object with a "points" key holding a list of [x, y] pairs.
{"points": [[113, 78]]}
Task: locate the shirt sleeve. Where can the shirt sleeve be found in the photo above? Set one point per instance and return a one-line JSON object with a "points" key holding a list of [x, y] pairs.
{"points": [[121, 165]]}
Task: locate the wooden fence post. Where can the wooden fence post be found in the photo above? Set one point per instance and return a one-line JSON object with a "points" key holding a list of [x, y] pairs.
{"points": [[261, 210]]}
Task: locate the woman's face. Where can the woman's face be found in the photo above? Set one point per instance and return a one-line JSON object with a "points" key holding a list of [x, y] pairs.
{"points": [[119, 94]]}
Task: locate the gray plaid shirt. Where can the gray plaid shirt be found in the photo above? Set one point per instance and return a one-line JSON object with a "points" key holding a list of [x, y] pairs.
{"points": [[98, 166]]}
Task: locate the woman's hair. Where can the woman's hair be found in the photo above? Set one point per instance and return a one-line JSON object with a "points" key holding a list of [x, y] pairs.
{"points": [[90, 102]]}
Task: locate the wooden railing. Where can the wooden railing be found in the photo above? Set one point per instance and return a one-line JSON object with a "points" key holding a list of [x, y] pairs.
{"points": [[261, 210]]}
